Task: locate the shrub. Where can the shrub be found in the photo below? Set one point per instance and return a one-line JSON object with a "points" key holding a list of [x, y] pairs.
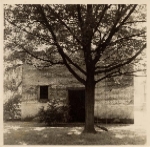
{"points": [[28, 118], [12, 109], [56, 112]]}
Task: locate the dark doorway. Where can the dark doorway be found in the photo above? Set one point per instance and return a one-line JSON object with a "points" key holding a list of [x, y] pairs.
{"points": [[77, 105]]}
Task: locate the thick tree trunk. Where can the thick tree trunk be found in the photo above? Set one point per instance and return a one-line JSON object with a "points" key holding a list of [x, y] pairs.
{"points": [[89, 106]]}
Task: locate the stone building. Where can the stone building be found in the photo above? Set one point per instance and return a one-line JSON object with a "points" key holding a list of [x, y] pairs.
{"points": [[40, 85]]}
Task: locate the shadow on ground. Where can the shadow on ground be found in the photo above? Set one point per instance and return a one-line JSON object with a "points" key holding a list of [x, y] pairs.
{"points": [[25, 134]]}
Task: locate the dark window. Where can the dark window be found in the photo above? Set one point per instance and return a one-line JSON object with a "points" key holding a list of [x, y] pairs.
{"points": [[43, 92]]}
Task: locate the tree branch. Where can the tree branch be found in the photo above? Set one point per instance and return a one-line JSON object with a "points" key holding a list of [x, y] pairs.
{"points": [[60, 50], [80, 17], [36, 57], [63, 23], [126, 18], [24, 30], [73, 72], [122, 64], [118, 73], [134, 22], [127, 37], [101, 47], [101, 16]]}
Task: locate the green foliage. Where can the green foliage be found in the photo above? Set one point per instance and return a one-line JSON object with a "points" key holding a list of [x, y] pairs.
{"points": [[56, 112], [12, 109]]}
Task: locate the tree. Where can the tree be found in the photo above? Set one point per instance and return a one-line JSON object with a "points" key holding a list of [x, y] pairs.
{"points": [[94, 42]]}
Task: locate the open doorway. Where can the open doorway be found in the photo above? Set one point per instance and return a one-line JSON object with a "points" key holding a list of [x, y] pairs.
{"points": [[77, 105]]}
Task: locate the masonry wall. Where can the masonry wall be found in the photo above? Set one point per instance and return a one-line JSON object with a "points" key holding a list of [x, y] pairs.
{"points": [[109, 102], [58, 80], [140, 101]]}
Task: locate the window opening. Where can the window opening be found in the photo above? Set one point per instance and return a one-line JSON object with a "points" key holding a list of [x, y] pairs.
{"points": [[43, 92]]}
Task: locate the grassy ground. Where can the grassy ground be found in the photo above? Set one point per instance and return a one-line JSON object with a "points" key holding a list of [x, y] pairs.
{"points": [[31, 133]]}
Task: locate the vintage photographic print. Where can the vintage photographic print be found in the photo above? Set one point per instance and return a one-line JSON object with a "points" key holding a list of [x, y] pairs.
{"points": [[74, 74]]}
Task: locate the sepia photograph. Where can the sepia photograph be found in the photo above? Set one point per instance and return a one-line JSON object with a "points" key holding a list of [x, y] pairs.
{"points": [[74, 74]]}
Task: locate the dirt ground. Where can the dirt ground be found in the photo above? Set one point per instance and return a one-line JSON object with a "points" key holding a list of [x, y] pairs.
{"points": [[32, 133]]}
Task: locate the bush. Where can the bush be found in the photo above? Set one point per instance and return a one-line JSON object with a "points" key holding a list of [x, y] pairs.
{"points": [[12, 109], [28, 118], [56, 112]]}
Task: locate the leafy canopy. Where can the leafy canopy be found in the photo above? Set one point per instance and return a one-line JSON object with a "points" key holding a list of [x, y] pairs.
{"points": [[104, 38]]}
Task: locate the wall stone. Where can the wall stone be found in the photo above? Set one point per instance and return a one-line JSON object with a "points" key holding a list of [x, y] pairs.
{"points": [[30, 109], [140, 100], [109, 102]]}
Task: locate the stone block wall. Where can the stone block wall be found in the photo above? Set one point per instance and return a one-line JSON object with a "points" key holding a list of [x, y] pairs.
{"points": [[115, 103]]}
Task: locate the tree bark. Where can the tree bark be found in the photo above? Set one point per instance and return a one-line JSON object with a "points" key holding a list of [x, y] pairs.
{"points": [[89, 105]]}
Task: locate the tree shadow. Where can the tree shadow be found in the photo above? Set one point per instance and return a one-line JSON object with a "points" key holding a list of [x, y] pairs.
{"points": [[116, 135]]}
